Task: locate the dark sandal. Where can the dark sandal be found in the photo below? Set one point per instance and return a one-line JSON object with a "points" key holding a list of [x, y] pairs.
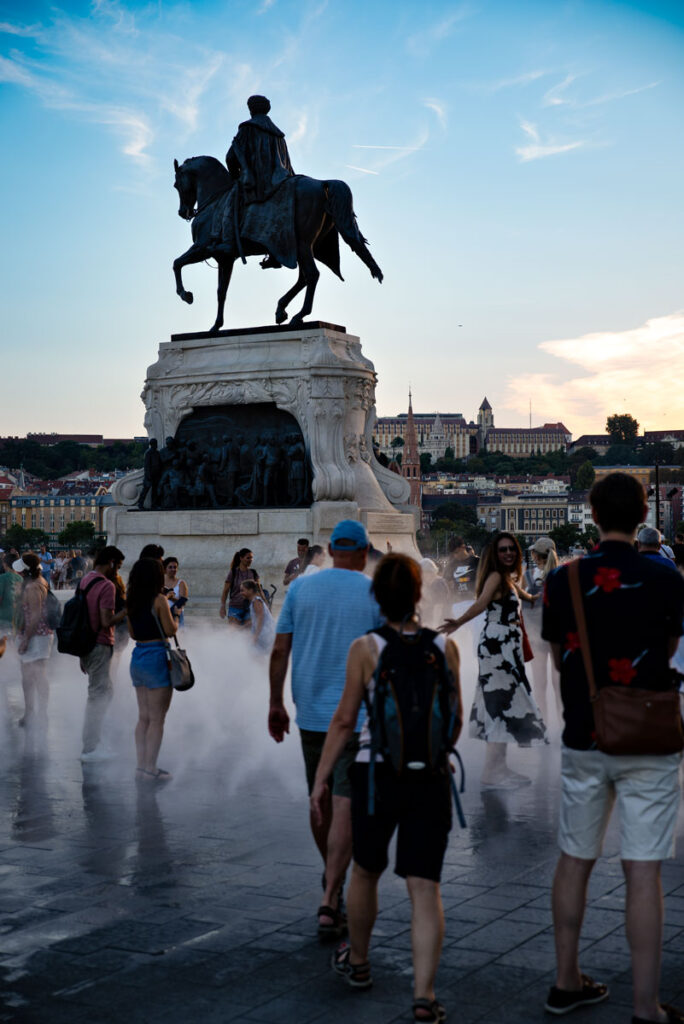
{"points": [[432, 1007], [674, 1016], [337, 926], [159, 775], [356, 975]]}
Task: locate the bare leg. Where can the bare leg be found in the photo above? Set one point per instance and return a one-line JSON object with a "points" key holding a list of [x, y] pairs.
{"points": [[141, 726], [539, 681], [427, 934], [158, 701], [644, 926], [28, 685], [339, 849], [362, 909], [569, 897], [495, 764]]}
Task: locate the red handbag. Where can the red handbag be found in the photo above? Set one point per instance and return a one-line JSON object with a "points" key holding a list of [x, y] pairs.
{"points": [[528, 653]]}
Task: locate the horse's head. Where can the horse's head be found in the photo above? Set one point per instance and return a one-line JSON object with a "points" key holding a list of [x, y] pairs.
{"points": [[186, 186]]}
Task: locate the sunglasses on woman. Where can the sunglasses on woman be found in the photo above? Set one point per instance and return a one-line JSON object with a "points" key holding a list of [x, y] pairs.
{"points": [[508, 547]]}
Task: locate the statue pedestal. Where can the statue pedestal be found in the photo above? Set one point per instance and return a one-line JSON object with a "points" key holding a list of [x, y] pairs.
{"points": [[318, 375]]}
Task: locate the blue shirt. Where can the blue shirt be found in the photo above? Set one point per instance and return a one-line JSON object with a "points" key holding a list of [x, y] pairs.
{"points": [[324, 613], [655, 556]]}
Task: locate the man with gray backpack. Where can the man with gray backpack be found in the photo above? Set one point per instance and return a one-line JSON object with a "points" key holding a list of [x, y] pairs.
{"points": [[401, 780], [87, 631]]}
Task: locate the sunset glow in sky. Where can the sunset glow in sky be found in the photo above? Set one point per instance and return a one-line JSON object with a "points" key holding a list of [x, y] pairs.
{"points": [[517, 169]]}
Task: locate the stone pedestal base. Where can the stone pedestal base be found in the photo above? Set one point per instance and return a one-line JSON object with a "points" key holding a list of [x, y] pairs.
{"points": [[205, 541], [320, 377]]}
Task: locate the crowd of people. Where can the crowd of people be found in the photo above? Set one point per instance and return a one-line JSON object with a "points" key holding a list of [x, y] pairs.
{"points": [[376, 686]]}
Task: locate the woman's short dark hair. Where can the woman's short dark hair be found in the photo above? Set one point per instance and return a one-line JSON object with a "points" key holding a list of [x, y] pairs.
{"points": [[32, 562], [396, 586], [167, 561], [618, 501], [152, 551], [145, 581]]}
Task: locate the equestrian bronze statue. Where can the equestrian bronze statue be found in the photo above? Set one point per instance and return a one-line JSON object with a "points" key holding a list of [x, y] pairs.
{"points": [[258, 206]]}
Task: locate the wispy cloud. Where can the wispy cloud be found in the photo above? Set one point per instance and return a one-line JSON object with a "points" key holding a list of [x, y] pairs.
{"points": [[438, 107], [422, 42], [555, 96], [403, 149], [628, 370], [114, 70], [609, 97], [265, 6], [388, 155], [510, 83], [300, 131], [536, 149], [363, 170]]}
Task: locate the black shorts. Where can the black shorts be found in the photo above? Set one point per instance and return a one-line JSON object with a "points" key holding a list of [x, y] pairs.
{"points": [[420, 809]]}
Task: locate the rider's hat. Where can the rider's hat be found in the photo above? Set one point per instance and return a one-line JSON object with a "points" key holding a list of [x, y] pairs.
{"points": [[258, 105]]}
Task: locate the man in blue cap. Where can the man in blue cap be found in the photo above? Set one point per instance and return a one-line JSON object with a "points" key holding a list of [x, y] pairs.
{"points": [[320, 618]]}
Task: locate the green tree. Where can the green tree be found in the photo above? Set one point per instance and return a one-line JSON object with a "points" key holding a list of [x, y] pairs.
{"points": [[397, 442], [618, 455], [622, 428], [425, 462], [679, 528], [20, 537], [449, 453], [78, 534], [585, 476], [590, 535], [565, 536]]}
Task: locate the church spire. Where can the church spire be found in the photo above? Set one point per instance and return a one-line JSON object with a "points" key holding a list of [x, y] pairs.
{"points": [[410, 463]]}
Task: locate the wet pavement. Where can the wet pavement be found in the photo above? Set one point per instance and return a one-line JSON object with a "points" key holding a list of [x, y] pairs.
{"points": [[195, 901]]}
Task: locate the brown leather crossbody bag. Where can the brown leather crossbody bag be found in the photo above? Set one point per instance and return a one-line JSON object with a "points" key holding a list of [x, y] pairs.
{"points": [[627, 720]]}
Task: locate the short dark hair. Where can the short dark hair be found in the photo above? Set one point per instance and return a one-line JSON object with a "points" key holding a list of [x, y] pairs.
{"points": [[152, 551], [167, 561], [32, 563], [396, 586], [618, 501], [303, 541], [109, 554]]}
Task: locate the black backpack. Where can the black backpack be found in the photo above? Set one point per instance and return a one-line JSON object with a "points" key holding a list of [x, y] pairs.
{"points": [[75, 635], [410, 715], [53, 610]]}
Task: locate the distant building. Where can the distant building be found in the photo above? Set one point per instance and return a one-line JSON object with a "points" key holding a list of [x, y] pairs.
{"points": [[435, 432], [52, 512], [519, 442], [88, 440], [673, 437], [599, 442], [530, 515]]}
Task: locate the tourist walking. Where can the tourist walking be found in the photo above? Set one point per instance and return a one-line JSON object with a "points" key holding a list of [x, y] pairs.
{"points": [[297, 565], [34, 641], [544, 673], [504, 710], [416, 802], [321, 616], [613, 620], [315, 560], [234, 605], [175, 590], [100, 595], [10, 586], [150, 622], [261, 621]]}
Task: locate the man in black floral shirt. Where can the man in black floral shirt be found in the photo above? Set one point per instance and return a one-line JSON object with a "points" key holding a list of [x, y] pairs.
{"points": [[634, 609]]}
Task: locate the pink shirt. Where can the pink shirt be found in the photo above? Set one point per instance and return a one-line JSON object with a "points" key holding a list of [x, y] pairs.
{"points": [[102, 595]]}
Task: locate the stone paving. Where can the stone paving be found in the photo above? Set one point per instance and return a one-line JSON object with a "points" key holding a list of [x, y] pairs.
{"points": [[195, 901]]}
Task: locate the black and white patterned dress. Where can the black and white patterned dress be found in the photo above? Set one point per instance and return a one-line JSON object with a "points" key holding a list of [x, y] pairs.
{"points": [[504, 710]]}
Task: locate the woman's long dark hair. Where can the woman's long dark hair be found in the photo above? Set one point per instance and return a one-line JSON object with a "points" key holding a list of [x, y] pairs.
{"points": [[490, 562], [144, 583], [237, 556]]}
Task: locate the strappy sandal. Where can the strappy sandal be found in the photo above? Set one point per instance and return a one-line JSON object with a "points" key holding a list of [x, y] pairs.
{"points": [[337, 926], [436, 1011], [356, 975], [159, 775]]}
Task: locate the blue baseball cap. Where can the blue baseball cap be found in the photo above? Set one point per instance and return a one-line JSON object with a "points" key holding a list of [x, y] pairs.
{"points": [[352, 532]]}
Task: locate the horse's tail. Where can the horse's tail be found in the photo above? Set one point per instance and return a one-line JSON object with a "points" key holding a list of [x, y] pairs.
{"points": [[340, 206]]}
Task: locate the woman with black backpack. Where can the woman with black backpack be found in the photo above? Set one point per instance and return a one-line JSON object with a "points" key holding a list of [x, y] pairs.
{"points": [[401, 777]]}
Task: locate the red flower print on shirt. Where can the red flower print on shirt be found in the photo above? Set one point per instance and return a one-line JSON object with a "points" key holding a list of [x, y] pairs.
{"points": [[607, 579], [572, 642], [621, 670]]}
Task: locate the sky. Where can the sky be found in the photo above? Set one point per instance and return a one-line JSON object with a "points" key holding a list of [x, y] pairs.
{"points": [[516, 167]]}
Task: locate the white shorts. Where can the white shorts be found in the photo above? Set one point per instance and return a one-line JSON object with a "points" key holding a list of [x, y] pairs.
{"points": [[39, 649], [647, 791]]}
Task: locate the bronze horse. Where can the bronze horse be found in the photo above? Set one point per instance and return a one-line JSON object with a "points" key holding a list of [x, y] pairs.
{"points": [[322, 209]]}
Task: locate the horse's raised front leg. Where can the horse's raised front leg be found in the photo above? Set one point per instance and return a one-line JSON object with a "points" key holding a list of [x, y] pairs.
{"points": [[281, 315], [195, 254], [310, 272], [225, 269]]}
